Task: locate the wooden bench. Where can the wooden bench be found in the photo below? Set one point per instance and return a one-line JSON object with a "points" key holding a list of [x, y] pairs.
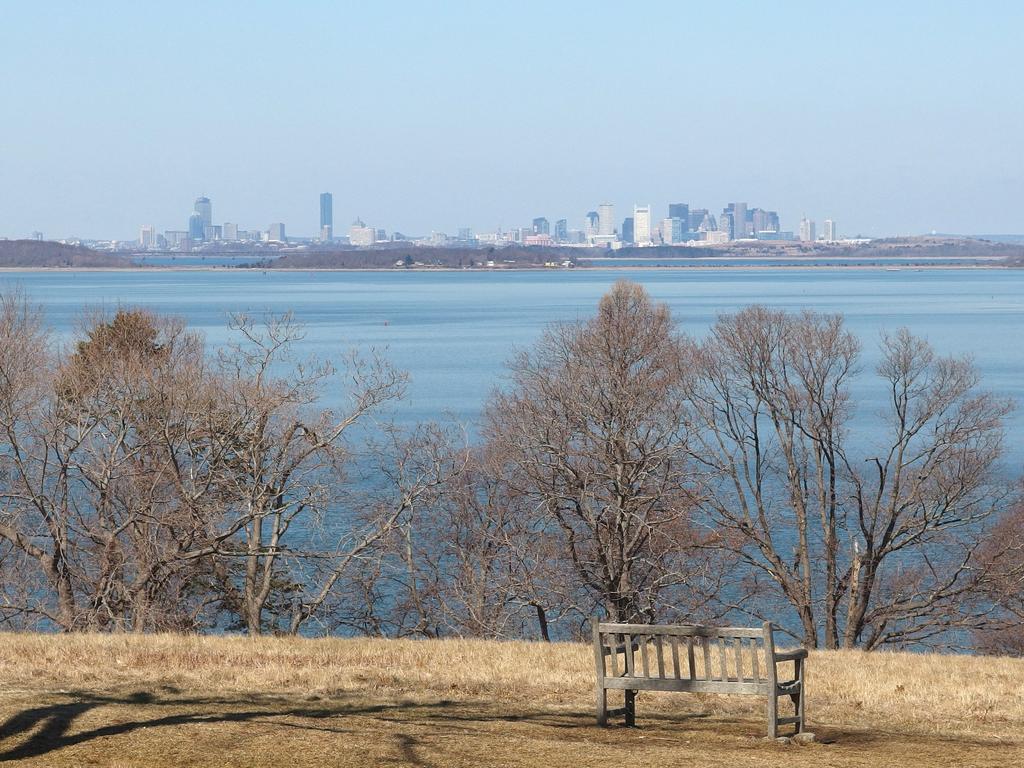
{"points": [[695, 659]]}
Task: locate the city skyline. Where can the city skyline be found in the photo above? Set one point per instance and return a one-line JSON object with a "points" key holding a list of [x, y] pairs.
{"points": [[683, 224], [119, 112]]}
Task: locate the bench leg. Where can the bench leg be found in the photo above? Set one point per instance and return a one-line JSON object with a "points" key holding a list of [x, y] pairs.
{"points": [[800, 696], [773, 715], [630, 708], [602, 705]]}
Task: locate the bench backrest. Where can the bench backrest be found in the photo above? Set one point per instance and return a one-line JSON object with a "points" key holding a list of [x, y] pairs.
{"points": [[693, 658]]}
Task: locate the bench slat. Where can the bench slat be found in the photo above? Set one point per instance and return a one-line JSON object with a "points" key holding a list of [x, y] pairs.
{"points": [[628, 644], [644, 639], [737, 645], [615, 657], [722, 659], [682, 630], [661, 656], [675, 655], [689, 658], [705, 642], [684, 686], [754, 660]]}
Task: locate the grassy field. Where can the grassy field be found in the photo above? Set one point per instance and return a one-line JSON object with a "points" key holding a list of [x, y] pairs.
{"points": [[223, 701]]}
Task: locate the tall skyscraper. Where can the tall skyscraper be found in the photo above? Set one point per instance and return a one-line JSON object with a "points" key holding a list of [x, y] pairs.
{"points": [[739, 224], [230, 231], [195, 226], [204, 208], [830, 231], [697, 216], [627, 230], [672, 230], [807, 230], [642, 224], [561, 231], [275, 233], [680, 211], [326, 215], [606, 219], [593, 224], [725, 223], [147, 236], [541, 226]]}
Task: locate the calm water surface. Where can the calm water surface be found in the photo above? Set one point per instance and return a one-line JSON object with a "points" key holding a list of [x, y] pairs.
{"points": [[453, 331]]}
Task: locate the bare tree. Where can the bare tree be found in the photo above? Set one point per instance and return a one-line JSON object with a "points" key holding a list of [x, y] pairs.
{"points": [[284, 469], [92, 469], [592, 430], [872, 550]]}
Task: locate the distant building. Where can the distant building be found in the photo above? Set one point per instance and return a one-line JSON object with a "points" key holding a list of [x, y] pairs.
{"points": [[725, 224], [593, 227], [275, 233], [538, 239], [561, 231], [829, 232], [466, 234], [697, 217], [807, 230], [147, 236], [360, 234], [229, 231], [763, 221], [642, 224], [680, 211], [627, 230], [211, 232], [738, 220], [195, 227], [174, 237], [204, 208], [541, 226], [672, 230], [606, 219], [326, 216], [37, 235]]}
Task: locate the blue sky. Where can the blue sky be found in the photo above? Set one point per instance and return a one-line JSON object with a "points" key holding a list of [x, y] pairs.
{"points": [[890, 117]]}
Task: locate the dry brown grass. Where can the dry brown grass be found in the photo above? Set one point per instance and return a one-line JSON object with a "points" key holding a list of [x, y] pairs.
{"points": [[227, 701]]}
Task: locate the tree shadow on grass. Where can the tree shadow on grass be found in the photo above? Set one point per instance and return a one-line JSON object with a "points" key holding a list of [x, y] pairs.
{"points": [[51, 725]]}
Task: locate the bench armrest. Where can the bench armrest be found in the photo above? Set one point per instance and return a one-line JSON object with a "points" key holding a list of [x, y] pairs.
{"points": [[800, 653]]}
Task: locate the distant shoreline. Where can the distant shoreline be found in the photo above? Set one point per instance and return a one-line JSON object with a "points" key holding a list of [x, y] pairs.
{"points": [[987, 264]]}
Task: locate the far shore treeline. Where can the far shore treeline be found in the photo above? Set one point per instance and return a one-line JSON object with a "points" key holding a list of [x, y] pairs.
{"points": [[33, 254], [623, 470]]}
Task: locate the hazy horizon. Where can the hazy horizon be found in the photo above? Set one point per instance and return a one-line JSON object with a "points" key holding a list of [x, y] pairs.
{"points": [[891, 120]]}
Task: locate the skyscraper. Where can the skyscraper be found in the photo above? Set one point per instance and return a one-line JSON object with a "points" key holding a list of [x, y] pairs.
{"points": [[806, 230], [627, 230], [738, 220], [204, 208], [593, 226], [725, 223], [541, 226], [642, 224], [606, 219], [672, 230], [147, 236], [680, 211], [830, 231], [326, 215], [195, 227], [697, 216], [561, 231]]}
